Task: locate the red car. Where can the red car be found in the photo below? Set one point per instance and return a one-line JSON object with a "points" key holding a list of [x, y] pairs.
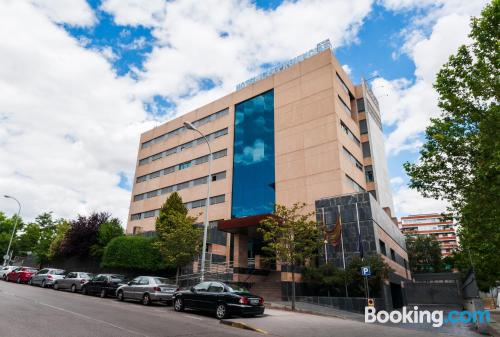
{"points": [[21, 274]]}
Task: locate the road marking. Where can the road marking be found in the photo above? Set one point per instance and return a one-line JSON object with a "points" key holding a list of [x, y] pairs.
{"points": [[193, 317], [94, 319]]}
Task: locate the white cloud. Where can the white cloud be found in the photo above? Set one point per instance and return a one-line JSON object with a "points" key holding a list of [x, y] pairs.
{"points": [[347, 69], [68, 125], [227, 41], [408, 106], [408, 201], [72, 12], [136, 12]]}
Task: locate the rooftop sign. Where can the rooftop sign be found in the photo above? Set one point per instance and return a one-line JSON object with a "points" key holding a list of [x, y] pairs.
{"points": [[322, 46]]}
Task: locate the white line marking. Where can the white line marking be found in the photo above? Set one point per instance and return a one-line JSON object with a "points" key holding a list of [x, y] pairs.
{"points": [[93, 319]]}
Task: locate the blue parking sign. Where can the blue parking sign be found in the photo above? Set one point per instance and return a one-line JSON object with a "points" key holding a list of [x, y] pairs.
{"points": [[366, 271]]}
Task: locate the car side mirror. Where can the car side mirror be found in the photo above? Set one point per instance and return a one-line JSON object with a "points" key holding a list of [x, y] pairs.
{"points": [[129, 283], [193, 290]]}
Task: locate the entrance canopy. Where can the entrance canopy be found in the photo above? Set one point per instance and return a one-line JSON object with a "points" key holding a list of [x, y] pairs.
{"points": [[247, 225]]}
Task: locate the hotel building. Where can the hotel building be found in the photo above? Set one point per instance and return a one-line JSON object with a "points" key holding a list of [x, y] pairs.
{"points": [[300, 133], [443, 229]]}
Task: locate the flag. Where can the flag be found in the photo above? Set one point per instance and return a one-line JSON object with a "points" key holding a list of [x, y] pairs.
{"points": [[336, 233]]}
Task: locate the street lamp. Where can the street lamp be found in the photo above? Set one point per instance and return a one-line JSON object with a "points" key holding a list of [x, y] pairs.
{"points": [[6, 257], [190, 126]]}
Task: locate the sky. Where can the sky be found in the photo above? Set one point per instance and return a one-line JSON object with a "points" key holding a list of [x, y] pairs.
{"points": [[80, 80]]}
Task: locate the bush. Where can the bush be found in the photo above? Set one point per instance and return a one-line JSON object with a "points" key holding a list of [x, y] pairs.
{"points": [[132, 252]]}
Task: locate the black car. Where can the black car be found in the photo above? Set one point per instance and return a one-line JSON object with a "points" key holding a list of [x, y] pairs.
{"points": [[103, 284], [219, 298]]}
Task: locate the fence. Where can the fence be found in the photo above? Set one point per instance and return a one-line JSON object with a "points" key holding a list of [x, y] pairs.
{"points": [[213, 272], [354, 304]]}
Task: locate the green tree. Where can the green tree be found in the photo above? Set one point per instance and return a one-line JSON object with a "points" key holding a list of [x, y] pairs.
{"points": [[327, 279], [47, 233], [460, 160], [107, 232], [6, 228], [291, 237], [27, 241], [379, 272], [177, 238], [424, 254], [61, 229], [132, 252]]}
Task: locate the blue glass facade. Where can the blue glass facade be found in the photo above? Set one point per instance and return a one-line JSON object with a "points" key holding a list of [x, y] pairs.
{"points": [[253, 163]]}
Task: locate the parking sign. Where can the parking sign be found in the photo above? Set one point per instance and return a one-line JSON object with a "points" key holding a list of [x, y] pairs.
{"points": [[365, 271]]}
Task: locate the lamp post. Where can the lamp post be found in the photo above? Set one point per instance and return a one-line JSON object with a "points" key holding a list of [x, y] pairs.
{"points": [[6, 258], [190, 126]]}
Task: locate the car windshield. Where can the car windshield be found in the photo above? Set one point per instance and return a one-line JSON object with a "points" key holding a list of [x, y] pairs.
{"points": [[162, 280], [59, 272], [236, 289], [33, 270]]}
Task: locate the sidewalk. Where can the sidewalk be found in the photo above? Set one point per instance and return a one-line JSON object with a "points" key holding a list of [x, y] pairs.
{"points": [[309, 308]]}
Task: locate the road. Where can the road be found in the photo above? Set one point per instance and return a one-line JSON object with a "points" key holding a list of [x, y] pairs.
{"points": [[36, 312]]}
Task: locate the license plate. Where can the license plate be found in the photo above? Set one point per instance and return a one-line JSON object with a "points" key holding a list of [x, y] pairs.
{"points": [[254, 301], [166, 290]]}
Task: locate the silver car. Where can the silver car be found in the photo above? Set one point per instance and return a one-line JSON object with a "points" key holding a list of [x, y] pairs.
{"points": [[72, 281], [5, 270], [46, 277], [147, 289]]}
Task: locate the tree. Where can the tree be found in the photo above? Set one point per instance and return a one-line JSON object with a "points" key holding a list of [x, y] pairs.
{"points": [[291, 236], [108, 231], [82, 234], [326, 279], [379, 270], [62, 227], [460, 159], [132, 252], [177, 238], [6, 228], [27, 241], [47, 233], [424, 254]]}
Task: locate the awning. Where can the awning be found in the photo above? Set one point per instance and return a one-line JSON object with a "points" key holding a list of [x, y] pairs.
{"points": [[247, 225]]}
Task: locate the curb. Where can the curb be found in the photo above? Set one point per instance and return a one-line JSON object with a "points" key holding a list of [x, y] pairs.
{"points": [[243, 326]]}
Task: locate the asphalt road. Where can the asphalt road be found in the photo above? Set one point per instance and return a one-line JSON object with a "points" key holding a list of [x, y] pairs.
{"points": [[36, 312]]}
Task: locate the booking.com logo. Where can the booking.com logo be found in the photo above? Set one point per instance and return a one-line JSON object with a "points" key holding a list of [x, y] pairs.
{"points": [[436, 317]]}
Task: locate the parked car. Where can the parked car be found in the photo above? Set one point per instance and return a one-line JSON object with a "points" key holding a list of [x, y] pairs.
{"points": [[46, 277], [147, 289], [5, 270], [104, 285], [73, 281], [219, 298], [21, 274]]}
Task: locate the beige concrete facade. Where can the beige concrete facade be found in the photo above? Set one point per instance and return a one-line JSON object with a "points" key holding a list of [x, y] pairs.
{"points": [[309, 162]]}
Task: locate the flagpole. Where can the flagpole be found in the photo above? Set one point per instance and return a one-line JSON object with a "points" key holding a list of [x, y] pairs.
{"points": [[360, 244], [343, 252], [325, 241]]}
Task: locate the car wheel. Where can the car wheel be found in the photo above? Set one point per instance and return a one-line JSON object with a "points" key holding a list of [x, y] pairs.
{"points": [[102, 294], [221, 311], [56, 286], [85, 291], [178, 304], [18, 280], [44, 284], [30, 282], [146, 299], [73, 288], [4, 278]]}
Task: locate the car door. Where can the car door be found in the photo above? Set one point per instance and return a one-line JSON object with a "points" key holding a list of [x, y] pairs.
{"points": [[96, 284], [214, 294], [130, 289], [197, 296], [38, 277], [142, 287], [67, 281]]}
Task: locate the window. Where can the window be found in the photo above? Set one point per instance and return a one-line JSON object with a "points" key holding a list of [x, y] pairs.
{"points": [[361, 104], [254, 152], [215, 287], [349, 133], [219, 154], [344, 107], [382, 247], [154, 175], [217, 199], [343, 85], [393, 255], [157, 156], [219, 176], [200, 181], [149, 214], [352, 159], [182, 186], [354, 185], [185, 165], [369, 174], [135, 217], [137, 230], [366, 149], [202, 287], [363, 127]]}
